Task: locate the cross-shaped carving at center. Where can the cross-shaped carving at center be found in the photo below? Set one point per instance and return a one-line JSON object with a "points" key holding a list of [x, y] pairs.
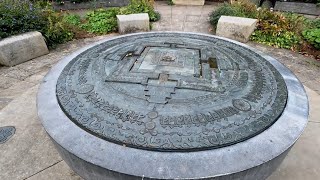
{"points": [[160, 90]]}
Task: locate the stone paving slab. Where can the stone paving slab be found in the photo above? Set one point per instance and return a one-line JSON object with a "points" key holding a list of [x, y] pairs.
{"points": [[30, 149], [306, 69], [4, 102], [36, 78], [16, 90], [314, 100], [6, 82], [302, 162], [17, 72], [59, 171], [298, 7], [183, 18], [15, 80]]}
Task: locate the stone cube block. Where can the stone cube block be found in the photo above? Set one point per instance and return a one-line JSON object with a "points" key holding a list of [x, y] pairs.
{"points": [[133, 23], [21, 48], [189, 2], [236, 28]]}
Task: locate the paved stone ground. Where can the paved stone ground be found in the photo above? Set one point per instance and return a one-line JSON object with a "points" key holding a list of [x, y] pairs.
{"points": [[184, 18], [29, 154], [298, 7]]}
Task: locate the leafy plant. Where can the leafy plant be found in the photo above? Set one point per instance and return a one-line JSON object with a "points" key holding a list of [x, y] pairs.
{"points": [[20, 16], [17, 16], [296, 22], [275, 29], [286, 40], [224, 10], [313, 37], [239, 9], [312, 23], [44, 4], [104, 20], [56, 31], [141, 6], [101, 21], [73, 19], [170, 2]]}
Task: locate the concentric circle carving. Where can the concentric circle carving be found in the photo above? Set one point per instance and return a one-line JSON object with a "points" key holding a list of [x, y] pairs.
{"points": [[212, 94]]}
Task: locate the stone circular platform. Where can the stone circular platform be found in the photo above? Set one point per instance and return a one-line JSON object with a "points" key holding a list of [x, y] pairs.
{"points": [[172, 106]]}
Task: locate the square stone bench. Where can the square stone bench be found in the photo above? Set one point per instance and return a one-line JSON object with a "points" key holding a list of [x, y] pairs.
{"points": [[236, 28], [21, 48], [133, 23], [189, 2]]}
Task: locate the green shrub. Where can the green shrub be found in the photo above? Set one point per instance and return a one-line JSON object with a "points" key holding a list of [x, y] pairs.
{"points": [[274, 29], [282, 30], [140, 6], [313, 37], [286, 39], [101, 21], [239, 9], [224, 10], [155, 17], [56, 31], [312, 24], [247, 8], [73, 19], [104, 20], [42, 3], [170, 2], [295, 22], [20, 16]]}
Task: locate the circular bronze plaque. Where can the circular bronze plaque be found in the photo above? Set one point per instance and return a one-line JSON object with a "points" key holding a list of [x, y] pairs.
{"points": [[171, 92]]}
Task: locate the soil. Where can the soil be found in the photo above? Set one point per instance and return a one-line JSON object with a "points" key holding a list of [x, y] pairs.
{"points": [[310, 51]]}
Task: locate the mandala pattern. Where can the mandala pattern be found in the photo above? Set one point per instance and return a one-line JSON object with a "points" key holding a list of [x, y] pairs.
{"points": [[171, 92]]}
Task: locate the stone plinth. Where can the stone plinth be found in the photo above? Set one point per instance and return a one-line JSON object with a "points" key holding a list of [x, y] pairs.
{"points": [[172, 106], [133, 23], [236, 28], [189, 2], [20, 48]]}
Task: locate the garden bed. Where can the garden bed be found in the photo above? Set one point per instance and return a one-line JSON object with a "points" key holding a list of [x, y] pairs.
{"points": [[20, 16], [277, 29]]}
